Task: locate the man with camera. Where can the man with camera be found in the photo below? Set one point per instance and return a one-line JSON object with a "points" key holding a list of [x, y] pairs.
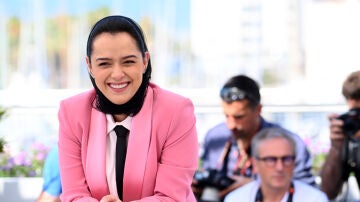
{"points": [[226, 163], [344, 154]]}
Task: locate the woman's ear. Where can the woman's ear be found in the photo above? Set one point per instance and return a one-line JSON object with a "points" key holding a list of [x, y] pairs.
{"points": [[88, 64], [146, 60]]}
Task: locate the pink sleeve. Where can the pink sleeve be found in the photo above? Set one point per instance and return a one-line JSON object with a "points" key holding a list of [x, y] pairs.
{"points": [[74, 187], [179, 157]]}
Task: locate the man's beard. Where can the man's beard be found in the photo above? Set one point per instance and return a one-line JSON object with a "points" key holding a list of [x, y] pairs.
{"points": [[240, 134]]}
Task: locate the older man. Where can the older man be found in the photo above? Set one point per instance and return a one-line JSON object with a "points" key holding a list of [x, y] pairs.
{"points": [[273, 156]]}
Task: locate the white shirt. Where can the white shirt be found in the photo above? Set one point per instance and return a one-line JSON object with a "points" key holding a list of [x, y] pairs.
{"points": [[110, 150], [303, 193]]}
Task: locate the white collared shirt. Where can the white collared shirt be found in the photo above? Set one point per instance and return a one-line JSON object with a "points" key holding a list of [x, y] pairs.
{"points": [[110, 150], [302, 192]]}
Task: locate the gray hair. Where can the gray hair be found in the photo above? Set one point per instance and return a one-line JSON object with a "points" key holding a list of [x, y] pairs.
{"points": [[268, 134]]}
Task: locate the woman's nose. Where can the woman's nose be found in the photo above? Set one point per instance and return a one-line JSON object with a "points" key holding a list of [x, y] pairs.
{"points": [[117, 71]]}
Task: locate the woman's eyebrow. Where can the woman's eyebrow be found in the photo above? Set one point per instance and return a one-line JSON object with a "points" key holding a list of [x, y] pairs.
{"points": [[97, 59], [129, 56]]}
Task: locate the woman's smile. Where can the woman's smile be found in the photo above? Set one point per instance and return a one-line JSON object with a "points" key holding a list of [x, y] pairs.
{"points": [[117, 86]]}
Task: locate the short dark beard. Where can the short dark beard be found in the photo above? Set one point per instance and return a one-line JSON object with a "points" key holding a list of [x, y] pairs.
{"points": [[239, 135]]}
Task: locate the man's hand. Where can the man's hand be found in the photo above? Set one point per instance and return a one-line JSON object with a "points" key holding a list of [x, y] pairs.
{"points": [[336, 132], [331, 172], [239, 181]]}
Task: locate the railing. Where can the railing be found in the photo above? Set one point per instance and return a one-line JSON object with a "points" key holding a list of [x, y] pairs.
{"points": [[32, 115]]}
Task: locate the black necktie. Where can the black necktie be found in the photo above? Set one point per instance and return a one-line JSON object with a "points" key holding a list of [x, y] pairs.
{"points": [[121, 133]]}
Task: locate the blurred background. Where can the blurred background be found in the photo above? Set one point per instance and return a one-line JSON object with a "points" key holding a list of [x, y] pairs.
{"points": [[299, 51]]}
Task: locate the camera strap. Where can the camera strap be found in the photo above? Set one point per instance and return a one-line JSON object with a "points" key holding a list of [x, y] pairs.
{"points": [[259, 196], [225, 159], [243, 165]]}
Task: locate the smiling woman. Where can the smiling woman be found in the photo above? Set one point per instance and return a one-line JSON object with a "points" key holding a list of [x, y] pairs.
{"points": [[157, 125], [117, 66]]}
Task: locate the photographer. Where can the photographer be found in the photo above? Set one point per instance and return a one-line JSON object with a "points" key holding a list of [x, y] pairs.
{"points": [[226, 163], [344, 136]]}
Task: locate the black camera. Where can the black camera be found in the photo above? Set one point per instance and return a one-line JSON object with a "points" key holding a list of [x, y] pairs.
{"points": [[351, 121], [351, 146], [212, 178]]}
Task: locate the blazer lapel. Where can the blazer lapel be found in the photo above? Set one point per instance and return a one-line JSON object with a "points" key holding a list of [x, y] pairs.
{"points": [[137, 152], [96, 156]]}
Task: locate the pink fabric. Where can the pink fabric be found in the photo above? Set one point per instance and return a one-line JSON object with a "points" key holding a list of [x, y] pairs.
{"points": [[162, 150]]}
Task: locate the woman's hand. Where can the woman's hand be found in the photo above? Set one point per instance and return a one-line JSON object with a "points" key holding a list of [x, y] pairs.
{"points": [[45, 197], [110, 198]]}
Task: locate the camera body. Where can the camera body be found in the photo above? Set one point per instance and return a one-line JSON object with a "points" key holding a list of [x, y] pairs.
{"points": [[351, 121], [212, 178], [351, 145]]}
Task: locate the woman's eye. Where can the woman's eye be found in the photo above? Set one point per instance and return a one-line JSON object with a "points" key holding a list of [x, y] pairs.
{"points": [[129, 62], [103, 64]]}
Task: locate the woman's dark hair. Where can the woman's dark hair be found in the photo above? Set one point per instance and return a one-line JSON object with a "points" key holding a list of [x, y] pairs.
{"points": [[116, 24]]}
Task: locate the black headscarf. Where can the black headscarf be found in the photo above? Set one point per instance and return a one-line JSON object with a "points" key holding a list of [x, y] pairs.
{"points": [[115, 24]]}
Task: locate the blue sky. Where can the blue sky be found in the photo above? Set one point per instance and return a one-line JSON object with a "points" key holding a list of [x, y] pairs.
{"points": [[15, 7], [133, 8]]}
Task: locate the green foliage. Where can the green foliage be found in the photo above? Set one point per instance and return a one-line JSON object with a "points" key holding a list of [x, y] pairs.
{"points": [[2, 145], [318, 161], [2, 113], [2, 140]]}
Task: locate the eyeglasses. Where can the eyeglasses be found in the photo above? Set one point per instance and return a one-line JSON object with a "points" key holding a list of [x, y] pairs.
{"points": [[272, 160], [235, 94]]}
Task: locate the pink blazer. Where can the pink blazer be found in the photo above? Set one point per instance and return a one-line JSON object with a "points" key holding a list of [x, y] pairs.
{"points": [[162, 152]]}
